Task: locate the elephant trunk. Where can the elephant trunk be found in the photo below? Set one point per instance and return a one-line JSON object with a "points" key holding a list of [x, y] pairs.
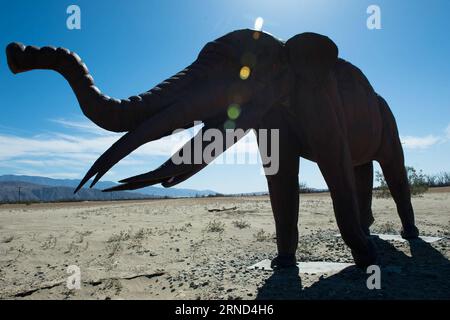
{"points": [[108, 113]]}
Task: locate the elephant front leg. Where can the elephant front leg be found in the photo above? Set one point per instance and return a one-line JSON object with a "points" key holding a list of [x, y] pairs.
{"points": [[284, 198], [283, 185], [339, 175]]}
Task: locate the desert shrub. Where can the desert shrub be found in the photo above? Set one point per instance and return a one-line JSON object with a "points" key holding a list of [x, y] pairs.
{"points": [[382, 191], [140, 234], [262, 235], [241, 224], [387, 228], [417, 180], [439, 180], [303, 188], [215, 226], [117, 237], [215, 195], [418, 183]]}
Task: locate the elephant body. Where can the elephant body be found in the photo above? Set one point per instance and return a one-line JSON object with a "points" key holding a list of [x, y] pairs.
{"points": [[343, 125], [358, 111], [323, 107]]}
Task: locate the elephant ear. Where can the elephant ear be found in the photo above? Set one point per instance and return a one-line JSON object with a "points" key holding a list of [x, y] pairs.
{"points": [[312, 56]]}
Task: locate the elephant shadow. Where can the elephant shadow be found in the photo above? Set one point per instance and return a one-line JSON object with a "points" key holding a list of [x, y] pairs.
{"points": [[423, 275]]}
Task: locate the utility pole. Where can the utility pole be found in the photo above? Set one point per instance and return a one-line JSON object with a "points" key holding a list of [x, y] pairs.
{"points": [[19, 194]]}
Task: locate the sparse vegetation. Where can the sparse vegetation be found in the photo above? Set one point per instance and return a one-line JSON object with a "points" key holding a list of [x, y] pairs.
{"points": [[113, 248], [215, 195], [418, 183], [140, 234], [121, 236], [241, 224], [119, 245], [262, 235], [303, 188], [382, 191], [215, 226], [439, 180], [387, 228]]}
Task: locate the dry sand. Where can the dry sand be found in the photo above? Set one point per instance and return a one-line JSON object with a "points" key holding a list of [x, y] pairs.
{"points": [[193, 249]]}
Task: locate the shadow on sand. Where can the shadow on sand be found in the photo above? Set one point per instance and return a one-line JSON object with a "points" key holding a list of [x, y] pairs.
{"points": [[424, 275]]}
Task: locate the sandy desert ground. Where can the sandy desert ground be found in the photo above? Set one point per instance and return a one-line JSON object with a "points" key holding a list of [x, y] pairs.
{"points": [[201, 248]]}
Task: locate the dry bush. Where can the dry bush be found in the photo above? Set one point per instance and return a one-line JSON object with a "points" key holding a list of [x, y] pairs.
{"points": [[241, 224], [215, 226], [262, 235], [441, 179], [140, 234], [418, 183], [387, 228], [121, 236]]}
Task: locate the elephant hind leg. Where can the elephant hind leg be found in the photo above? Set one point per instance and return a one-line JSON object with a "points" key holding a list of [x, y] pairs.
{"points": [[392, 163], [364, 185], [396, 178], [339, 175]]}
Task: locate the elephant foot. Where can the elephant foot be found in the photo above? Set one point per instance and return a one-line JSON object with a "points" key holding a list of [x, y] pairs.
{"points": [[409, 233], [283, 261], [365, 259]]}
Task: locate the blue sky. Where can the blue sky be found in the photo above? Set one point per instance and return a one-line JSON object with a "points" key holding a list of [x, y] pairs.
{"points": [[130, 46]]}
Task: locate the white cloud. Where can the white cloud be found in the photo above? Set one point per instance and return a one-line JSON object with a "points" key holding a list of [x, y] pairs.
{"points": [[86, 144], [68, 152], [411, 142], [82, 126]]}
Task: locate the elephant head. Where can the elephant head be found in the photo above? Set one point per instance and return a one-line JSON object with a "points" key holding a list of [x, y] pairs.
{"points": [[246, 69]]}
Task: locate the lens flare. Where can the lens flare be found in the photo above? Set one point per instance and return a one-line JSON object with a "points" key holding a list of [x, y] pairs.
{"points": [[233, 111], [244, 73], [229, 124]]}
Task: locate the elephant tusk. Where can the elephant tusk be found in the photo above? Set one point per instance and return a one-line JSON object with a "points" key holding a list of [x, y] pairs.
{"points": [[170, 173]]}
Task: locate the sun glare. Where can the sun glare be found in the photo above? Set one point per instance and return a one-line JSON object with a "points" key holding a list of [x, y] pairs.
{"points": [[259, 24]]}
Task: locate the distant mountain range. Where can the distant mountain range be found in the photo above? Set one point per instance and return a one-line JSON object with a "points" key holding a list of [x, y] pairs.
{"points": [[34, 188]]}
